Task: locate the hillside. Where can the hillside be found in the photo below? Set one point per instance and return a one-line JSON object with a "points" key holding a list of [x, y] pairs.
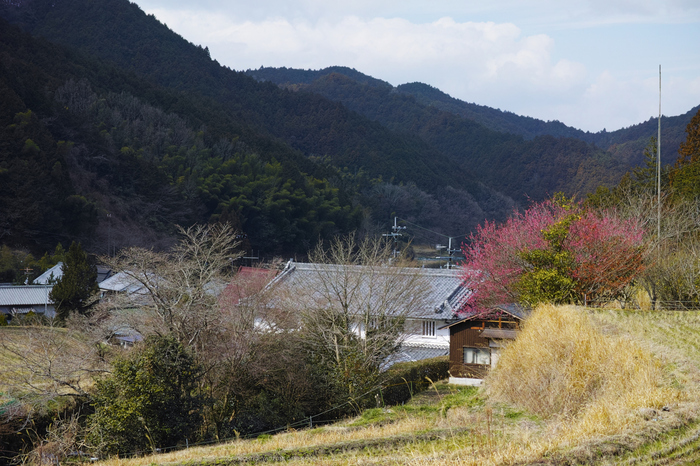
{"points": [[326, 152], [626, 144], [119, 32], [82, 139], [345, 170], [453, 425], [522, 169]]}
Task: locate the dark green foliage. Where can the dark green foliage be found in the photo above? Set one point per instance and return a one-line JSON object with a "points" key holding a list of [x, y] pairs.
{"points": [[548, 272], [273, 386], [150, 400], [640, 181], [405, 379], [20, 267], [686, 171], [149, 168], [522, 169], [73, 290]]}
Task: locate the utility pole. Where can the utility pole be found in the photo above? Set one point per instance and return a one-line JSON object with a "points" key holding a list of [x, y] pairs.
{"points": [[109, 235], [395, 233], [450, 253]]}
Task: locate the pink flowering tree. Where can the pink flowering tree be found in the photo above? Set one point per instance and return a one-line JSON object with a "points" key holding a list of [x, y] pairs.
{"points": [[555, 251]]}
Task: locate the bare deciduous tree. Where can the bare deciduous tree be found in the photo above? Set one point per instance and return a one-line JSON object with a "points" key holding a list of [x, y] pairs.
{"points": [[353, 307], [46, 362], [180, 289]]}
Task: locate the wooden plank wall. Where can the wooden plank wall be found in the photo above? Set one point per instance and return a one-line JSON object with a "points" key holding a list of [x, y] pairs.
{"points": [[464, 335]]}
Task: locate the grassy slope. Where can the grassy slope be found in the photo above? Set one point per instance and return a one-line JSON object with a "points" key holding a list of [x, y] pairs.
{"points": [[453, 425]]}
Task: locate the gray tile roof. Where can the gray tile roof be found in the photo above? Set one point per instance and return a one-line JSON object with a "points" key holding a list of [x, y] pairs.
{"points": [[443, 294], [56, 272], [25, 295], [121, 282], [410, 353]]}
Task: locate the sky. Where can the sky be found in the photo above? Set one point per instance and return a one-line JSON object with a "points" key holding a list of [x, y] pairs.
{"points": [[590, 64]]}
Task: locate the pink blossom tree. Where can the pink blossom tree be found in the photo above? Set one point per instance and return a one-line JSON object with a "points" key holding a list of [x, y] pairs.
{"points": [[555, 251]]}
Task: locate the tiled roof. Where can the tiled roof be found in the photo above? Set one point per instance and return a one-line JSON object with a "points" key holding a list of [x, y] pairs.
{"points": [[121, 282], [442, 290], [54, 272], [512, 309], [25, 295], [408, 353]]}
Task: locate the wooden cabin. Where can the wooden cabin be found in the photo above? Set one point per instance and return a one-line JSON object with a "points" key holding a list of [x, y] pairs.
{"points": [[476, 339]]}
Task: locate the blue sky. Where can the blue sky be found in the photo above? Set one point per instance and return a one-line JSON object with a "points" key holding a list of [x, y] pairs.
{"points": [[590, 64]]}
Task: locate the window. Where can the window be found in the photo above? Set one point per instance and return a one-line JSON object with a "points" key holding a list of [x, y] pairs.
{"points": [[428, 328], [477, 356]]}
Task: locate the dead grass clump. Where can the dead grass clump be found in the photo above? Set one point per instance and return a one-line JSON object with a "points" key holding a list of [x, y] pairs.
{"points": [[562, 367]]}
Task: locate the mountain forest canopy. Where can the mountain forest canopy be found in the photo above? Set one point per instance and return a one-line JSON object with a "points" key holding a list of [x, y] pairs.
{"points": [[115, 129]]}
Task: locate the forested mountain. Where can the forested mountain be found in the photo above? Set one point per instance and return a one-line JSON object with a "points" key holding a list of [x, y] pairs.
{"points": [[115, 129], [90, 152], [507, 162], [626, 144], [118, 31], [206, 157]]}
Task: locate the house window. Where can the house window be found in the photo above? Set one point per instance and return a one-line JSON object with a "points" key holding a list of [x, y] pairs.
{"points": [[477, 356], [428, 328]]}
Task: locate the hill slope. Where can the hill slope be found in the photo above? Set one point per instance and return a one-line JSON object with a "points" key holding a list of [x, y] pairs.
{"points": [[520, 168], [82, 139], [459, 425], [626, 144]]}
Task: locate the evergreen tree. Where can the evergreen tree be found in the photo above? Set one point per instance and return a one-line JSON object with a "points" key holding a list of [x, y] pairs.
{"points": [[149, 401], [78, 283], [686, 172]]}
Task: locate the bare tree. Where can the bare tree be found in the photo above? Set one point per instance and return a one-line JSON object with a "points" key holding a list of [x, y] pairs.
{"points": [[672, 261], [353, 303], [179, 289], [44, 362]]}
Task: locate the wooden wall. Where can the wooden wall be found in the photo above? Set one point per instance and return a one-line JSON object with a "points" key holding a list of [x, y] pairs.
{"points": [[462, 335]]}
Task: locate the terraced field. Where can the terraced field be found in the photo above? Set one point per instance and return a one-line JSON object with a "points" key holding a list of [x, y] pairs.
{"points": [[451, 425]]}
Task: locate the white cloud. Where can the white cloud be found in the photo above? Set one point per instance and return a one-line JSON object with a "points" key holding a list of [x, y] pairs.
{"points": [[513, 61], [394, 49]]}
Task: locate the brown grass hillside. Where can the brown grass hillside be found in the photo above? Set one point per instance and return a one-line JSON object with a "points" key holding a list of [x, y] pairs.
{"points": [[577, 387]]}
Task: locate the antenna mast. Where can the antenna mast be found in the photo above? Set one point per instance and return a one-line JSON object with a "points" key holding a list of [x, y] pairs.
{"points": [[658, 170]]}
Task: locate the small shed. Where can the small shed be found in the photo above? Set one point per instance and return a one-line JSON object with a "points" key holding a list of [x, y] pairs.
{"points": [[22, 299], [476, 339]]}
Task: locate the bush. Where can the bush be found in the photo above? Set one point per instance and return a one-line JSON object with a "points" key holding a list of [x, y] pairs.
{"points": [[149, 401], [405, 379]]}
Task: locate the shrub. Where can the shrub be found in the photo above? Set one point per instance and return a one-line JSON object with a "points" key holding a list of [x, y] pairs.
{"points": [[149, 401], [555, 252], [408, 378]]}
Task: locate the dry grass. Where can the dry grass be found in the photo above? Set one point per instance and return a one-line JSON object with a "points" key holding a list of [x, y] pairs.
{"points": [[564, 369], [577, 385], [46, 360]]}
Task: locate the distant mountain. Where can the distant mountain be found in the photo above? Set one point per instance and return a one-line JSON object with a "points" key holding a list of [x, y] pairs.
{"points": [[626, 144], [494, 119], [522, 169]]}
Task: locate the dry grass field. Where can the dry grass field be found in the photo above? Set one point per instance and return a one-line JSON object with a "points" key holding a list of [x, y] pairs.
{"points": [[577, 387], [39, 362]]}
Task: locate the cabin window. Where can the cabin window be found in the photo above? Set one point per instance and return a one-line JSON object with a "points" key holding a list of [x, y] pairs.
{"points": [[477, 356], [428, 328]]}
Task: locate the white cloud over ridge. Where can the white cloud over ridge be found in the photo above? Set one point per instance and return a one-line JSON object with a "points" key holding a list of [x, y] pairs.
{"points": [[491, 63]]}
